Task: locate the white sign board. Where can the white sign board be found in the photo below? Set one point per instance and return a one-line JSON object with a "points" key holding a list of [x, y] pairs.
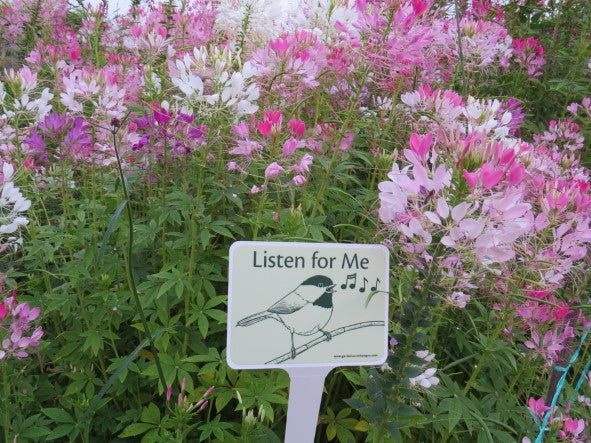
{"points": [[306, 308], [304, 304]]}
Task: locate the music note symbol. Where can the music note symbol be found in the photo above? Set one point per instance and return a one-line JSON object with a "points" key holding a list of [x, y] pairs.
{"points": [[364, 284], [373, 288], [350, 277]]}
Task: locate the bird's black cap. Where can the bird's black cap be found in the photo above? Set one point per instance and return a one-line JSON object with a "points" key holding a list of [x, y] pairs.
{"points": [[318, 280]]}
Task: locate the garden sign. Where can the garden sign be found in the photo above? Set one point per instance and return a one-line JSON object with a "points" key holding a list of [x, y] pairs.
{"points": [[306, 308]]}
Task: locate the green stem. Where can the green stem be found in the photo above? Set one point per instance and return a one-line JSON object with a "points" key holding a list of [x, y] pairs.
{"points": [[262, 201], [486, 353], [192, 256], [6, 401], [343, 130], [163, 197], [129, 264], [460, 50]]}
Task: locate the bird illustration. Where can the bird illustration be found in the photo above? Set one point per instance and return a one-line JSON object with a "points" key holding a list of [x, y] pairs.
{"points": [[304, 311]]}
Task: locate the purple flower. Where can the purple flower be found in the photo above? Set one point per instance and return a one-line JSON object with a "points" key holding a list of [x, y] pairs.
{"points": [[53, 123], [35, 141]]}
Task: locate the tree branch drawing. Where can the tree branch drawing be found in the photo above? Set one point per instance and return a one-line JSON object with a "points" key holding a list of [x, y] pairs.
{"points": [[338, 331]]}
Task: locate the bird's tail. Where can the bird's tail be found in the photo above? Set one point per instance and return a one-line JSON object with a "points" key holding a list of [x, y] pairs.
{"points": [[255, 318]]}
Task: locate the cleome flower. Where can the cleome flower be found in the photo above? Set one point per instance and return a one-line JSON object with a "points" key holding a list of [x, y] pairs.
{"points": [[12, 207]]}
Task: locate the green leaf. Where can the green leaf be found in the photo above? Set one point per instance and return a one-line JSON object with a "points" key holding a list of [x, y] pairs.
{"points": [[115, 374], [109, 230], [58, 415], [151, 414], [331, 431], [203, 324], [168, 284], [60, 431], [34, 432], [136, 429], [223, 399]]}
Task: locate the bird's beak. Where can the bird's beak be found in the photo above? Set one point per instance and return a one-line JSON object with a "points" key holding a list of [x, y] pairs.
{"points": [[330, 288]]}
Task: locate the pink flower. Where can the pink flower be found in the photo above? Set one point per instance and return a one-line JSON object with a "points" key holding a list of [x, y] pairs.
{"points": [[299, 180], [419, 6], [297, 127], [264, 128], [489, 176], [274, 117], [273, 170], [572, 429], [290, 146], [516, 175], [537, 407], [241, 129], [421, 145], [573, 108], [255, 189], [280, 45], [562, 312], [347, 141], [471, 178], [304, 165]]}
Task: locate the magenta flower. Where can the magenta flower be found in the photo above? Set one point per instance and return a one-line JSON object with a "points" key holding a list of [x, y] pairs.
{"points": [[160, 114]]}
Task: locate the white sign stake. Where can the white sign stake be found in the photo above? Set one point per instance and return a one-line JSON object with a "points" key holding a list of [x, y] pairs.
{"points": [[305, 393], [307, 308]]}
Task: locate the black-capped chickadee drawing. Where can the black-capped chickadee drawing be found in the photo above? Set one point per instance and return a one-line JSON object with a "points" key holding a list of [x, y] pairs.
{"points": [[304, 311]]}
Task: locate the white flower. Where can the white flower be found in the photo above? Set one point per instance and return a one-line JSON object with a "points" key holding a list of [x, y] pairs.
{"points": [[263, 19], [207, 83], [425, 355], [12, 204], [426, 379], [190, 84]]}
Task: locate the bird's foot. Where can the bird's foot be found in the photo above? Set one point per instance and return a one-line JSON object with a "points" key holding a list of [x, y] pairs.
{"points": [[327, 334]]}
